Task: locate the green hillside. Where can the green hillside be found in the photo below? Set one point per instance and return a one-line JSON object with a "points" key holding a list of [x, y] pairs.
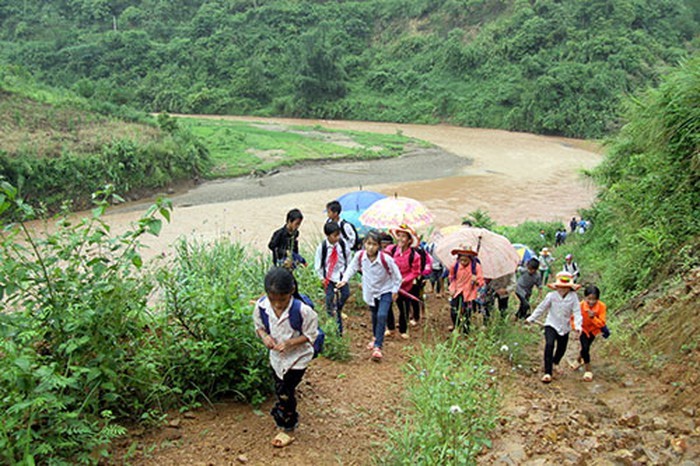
{"points": [[546, 66], [57, 147]]}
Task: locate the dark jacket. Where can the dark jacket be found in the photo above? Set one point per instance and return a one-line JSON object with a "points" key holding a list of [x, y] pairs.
{"points": [[282, 242]]}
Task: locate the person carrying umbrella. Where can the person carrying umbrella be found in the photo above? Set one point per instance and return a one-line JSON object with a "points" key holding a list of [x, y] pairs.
{"points": [[409, 264], [465, 277]]}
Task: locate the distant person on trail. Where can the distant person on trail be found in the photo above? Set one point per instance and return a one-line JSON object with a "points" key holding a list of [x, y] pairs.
{"points": [[561, 305], [571, 267], [593, 312], [437, 280], [284, 243], [408, 261], [572, 224], [290, 350], [546, 260], [347, 229], [381, 280], [332, 258], [528, 279], [466, 277]]}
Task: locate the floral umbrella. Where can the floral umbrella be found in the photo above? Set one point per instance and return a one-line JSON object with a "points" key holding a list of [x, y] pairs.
{"points": [[496, 254], [391, 212]]}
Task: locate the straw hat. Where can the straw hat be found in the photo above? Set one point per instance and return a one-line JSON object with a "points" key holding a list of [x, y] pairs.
{"points": [[564, 280], [545, 251], [464, 250], [408, 230]]}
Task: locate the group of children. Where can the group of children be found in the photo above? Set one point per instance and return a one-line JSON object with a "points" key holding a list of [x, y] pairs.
{"points": [[394, 273]]}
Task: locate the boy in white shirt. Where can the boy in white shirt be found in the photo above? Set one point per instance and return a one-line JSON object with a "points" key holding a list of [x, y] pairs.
{"points": [[332, 258]]}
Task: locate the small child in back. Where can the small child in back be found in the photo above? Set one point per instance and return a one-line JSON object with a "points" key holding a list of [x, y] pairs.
{"points": [[593, 312], [332, 258], [528, 279], [381, 280], [560, 306], [290, 350]]}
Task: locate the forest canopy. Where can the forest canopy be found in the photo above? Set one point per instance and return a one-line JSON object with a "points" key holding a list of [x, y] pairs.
{"points": [[546, 66]]}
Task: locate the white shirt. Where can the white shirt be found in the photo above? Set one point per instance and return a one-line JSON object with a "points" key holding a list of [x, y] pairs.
{"points": [[340, 266], [375, 279], [281, 330], [560, 311], [350, 236]]}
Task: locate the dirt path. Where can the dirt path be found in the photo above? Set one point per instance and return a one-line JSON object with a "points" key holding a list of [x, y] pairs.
{"points": [[624, 416], [345, 409]]}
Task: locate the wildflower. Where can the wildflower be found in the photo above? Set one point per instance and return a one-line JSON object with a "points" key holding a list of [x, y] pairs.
{"points": [[455, 409], [504, 348]]}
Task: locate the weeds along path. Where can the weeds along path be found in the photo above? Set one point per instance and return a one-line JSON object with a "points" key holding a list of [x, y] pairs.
{"points": [[624, 416], [345, 408]]}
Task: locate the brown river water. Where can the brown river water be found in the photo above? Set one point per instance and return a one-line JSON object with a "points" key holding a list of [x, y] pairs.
{"points": [[512, 176]]}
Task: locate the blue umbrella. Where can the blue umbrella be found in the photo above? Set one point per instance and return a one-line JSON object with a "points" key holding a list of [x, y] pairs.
{"points": [[524, 252], [354, 204], [359, 200]]}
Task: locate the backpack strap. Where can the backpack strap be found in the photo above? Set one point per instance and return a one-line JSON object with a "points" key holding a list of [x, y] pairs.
{"points": [[324, 252], [382, 258], [295, 319], [263, 315]]}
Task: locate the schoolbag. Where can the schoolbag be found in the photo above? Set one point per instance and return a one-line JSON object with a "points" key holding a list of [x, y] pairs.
{"points": [[475, 260], [357, 245], [296, 321], [381, 258], [324, 253], [410, 256]]}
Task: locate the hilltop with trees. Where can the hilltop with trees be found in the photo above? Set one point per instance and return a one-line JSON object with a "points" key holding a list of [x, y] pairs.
{"points": [[549, 67]]}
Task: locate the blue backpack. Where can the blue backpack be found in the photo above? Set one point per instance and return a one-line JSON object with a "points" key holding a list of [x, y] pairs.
{"points": [[296, 321]]}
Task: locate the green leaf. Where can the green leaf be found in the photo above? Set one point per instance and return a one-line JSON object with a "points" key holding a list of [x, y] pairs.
{"points": [[137, 260], [154, 226]]}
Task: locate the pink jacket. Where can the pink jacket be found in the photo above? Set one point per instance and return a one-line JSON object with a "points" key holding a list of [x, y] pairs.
{"points": [[409, 271]]}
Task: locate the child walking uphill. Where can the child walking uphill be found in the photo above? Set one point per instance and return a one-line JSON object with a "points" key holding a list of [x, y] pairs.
{"points": [[408, 262], [593, 312], [290, 350], [284, 243], [465, 280], [561, 305], [381, 280], [528, 279], [332, 258]]}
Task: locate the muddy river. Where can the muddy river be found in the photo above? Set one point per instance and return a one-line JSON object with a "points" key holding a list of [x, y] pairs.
{"points": [[513, 176]]}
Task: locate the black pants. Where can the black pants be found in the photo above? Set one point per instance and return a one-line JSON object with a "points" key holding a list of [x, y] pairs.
{"points": [[463, 310], [404, 306], [586, 342], [552, 355], [524, 308], [417, 291], [285, 410], [502, 304]]}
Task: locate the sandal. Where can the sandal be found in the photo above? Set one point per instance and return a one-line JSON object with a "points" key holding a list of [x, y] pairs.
{"points": [[370, 345], [377, 355], [574, 365], [546, 378], [281, 440], [588, 376]]}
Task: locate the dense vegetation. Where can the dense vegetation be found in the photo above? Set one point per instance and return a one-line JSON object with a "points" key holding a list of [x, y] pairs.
{"points": [[646, 217], [89, 334], [546, 66], [58, 147]]}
